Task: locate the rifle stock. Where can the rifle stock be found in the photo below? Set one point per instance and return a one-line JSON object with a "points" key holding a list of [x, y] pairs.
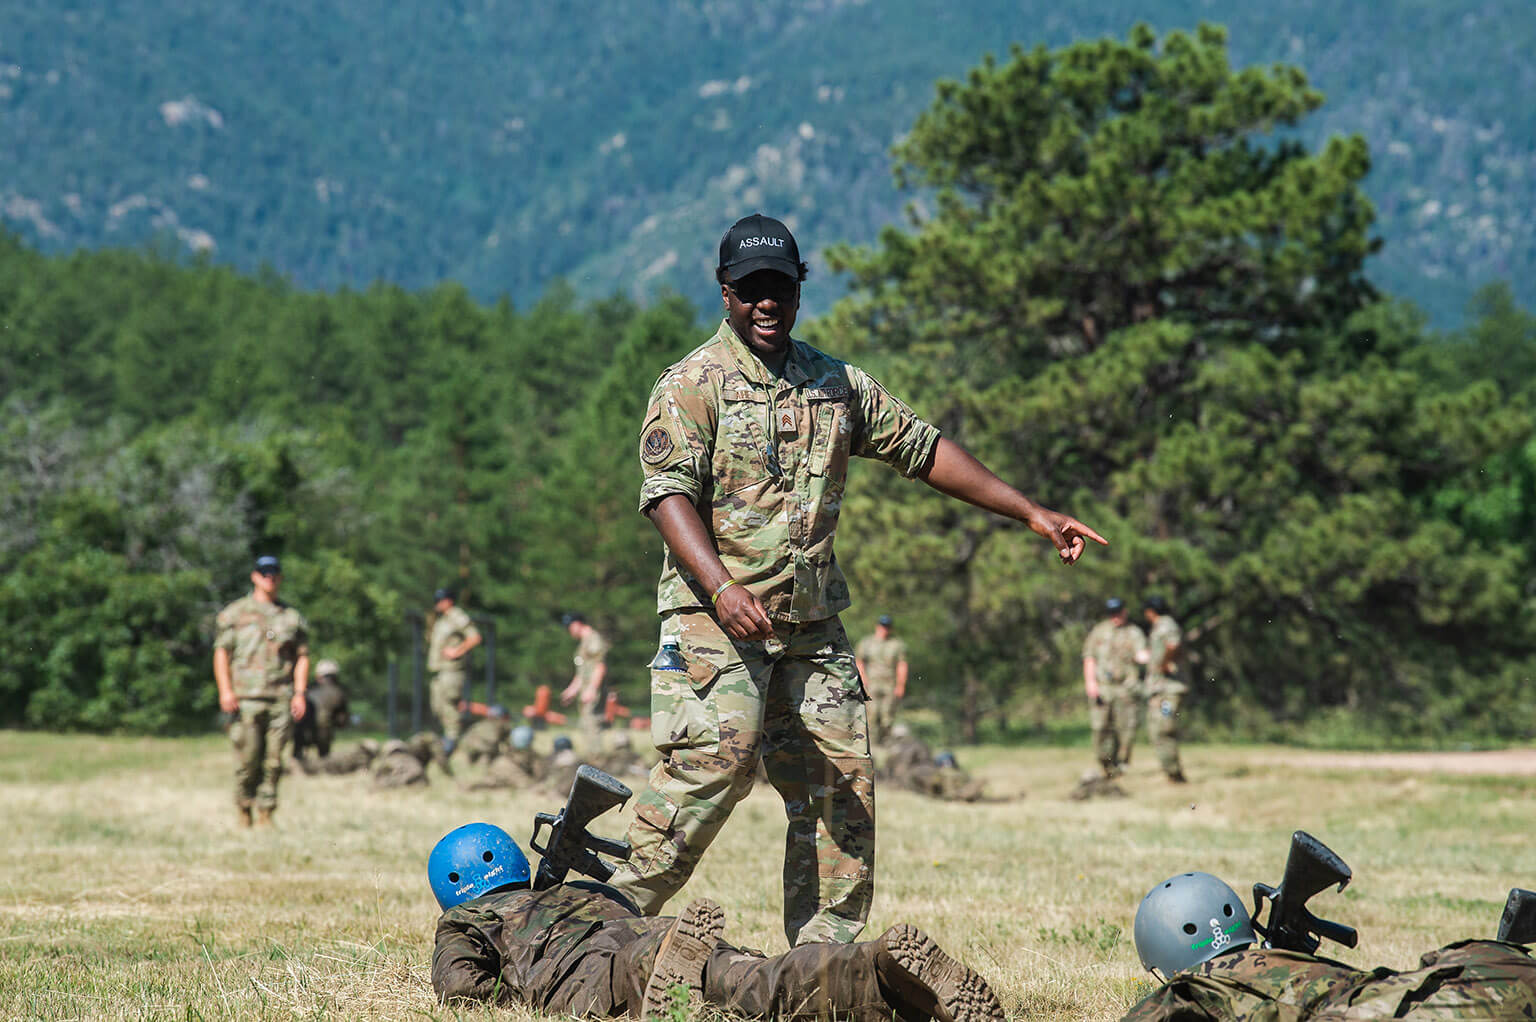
{"points": [[570, 847], [1310, 867], [1518, 924]]}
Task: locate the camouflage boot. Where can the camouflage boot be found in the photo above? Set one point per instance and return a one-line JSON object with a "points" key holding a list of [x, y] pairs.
{"points": [[681, 958], [921, 981]]}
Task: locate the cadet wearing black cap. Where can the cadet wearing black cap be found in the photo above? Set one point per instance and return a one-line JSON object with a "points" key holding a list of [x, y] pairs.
{"points": [[745, 448], [882, 661], [453, 636], [261, 666], [1113, 686]]}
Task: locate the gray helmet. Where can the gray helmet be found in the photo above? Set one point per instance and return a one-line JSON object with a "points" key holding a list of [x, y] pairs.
{"points": [[327, 669], [522, 736], [1189, 919], [563, 743]]}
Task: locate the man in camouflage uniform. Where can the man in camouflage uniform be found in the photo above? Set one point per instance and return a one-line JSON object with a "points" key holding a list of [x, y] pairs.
{"points": [[882, 662], [360, 757], [516, 767], [1111, 679], [486, 738], [745, 448], [403, 764], [587, 683], [453, 636], [325, 710], [1165, 684], [261, 667], [580, 949], [1218, 971]]}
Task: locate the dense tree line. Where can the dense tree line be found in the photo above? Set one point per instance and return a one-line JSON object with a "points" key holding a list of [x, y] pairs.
{"points": [[1127, 286]]}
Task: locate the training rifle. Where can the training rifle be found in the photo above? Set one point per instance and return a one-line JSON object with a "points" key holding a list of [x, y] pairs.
{"points": [[1518, 924], [570, 847], [1310, 867]]}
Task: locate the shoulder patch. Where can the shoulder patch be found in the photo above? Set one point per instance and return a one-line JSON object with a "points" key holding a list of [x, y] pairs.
{"points": [[656, 446]]}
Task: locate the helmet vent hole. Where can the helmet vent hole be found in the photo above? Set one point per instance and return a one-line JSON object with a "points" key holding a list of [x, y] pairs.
{"points": [[1168, 884], [453, 878], [1227, 909], [1190, 929], [488, 857]]}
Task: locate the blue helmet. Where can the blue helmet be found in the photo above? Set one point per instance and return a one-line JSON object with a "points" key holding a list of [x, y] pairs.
{"points": [[522, 737], [946, 760], [475, 859]]}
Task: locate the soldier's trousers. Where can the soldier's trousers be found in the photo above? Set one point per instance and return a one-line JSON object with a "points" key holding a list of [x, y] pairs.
{"points": [[260, 738], [1114, 722], [818, 980], [445, 692], [589, 726], [882, 710], [796, 703], [1163, 723]]}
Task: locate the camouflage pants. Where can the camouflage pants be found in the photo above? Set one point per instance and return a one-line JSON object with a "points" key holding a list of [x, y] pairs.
{"points": [[796, 703], [1114, 721], [1163, 724], [882, 709], [260, 738], [446, 690], [590, 725]]}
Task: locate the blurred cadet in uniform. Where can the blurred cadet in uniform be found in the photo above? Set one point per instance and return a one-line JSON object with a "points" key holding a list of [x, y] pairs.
{"points": [[261, 666], [515, 767], [1111, 678], [581, 949], [745, 447], [486, 738], [359, 757], [1165, 684], [325, 710], [1193, 932], [909, 763], [401, 764], [882, 662], [453, 636], [587, 683]]}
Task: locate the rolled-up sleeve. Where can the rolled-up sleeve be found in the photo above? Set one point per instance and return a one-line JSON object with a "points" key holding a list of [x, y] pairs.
{"points": [[676, 440], [892, 432]]}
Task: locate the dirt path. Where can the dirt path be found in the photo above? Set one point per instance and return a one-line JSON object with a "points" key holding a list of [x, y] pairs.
{"points": [[1500, 762]]}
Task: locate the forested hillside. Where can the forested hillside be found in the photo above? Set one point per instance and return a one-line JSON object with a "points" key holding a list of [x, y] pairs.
{"points": [[1139, 295], [503, 145]]}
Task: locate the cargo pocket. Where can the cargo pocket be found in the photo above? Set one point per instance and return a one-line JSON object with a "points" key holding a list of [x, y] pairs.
{"points": [[653, 848], [682, 714]]}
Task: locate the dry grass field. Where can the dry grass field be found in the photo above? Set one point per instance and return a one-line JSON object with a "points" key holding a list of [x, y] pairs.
{"points": [[127, 892]]}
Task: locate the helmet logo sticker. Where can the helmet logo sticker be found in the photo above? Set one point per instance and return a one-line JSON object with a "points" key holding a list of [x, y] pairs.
{"points": [[1219, 938]]}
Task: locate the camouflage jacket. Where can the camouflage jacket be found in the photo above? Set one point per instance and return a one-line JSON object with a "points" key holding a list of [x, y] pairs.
{"points": [[764, 459], [1113, 648], [518, 946], [452, 627], [1165, 632], [880, 657], [1475, 979], [264, 641], [590, 652]]}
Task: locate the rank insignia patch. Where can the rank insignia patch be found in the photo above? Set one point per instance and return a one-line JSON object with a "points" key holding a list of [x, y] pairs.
{"points": [[656, 446]]}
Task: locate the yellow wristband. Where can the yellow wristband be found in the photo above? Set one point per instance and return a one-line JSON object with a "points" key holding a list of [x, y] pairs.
{"points": [[714, 597]]}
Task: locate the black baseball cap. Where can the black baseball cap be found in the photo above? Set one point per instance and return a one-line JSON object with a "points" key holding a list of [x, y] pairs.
{"points": [[1114, 605], [266, 564], [1156, 604], [445, 593], [758, 242], [570, 618], [885, 619]]}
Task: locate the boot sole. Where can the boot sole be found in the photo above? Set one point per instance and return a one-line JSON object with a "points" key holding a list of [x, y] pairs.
{"points": [[938, 985], [684, 951]]}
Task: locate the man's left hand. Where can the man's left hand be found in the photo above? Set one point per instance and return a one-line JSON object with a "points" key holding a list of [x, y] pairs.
{"points": [[1068, 535], [296, 706]]}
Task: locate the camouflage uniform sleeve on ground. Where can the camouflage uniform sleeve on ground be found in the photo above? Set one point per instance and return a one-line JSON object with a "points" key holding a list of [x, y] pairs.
{"points": [[465, 964], [677, 438], [891, 432]]}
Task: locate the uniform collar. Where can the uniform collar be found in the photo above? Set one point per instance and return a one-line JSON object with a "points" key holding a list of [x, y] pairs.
{"points": [[796, 363]]}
